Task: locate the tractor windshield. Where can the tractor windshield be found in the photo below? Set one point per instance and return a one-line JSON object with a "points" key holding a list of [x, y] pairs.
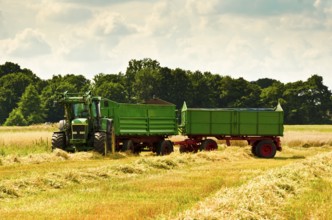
{"points": [[80, 110]]}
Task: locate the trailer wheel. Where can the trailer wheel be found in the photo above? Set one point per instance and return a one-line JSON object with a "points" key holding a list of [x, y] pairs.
{"points": [[100, 143], [209, 145], [183, 149], [58, 140], [254, 149], [172, 146], [165, 147], [266, 149], [128, 145]]}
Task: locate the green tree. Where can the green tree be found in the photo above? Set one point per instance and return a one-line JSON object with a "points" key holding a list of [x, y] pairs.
{"points": [[270, 96], [30, 106], [60, 84], [204, 89], [166, 79], [111, 90], [134, 67], [239, 93], [181, 88], [146, 84], [16, 118], [8, 68], [29, 109], [265, 82], [100, 78], [307, 102], [12, 87], [111, 86]]}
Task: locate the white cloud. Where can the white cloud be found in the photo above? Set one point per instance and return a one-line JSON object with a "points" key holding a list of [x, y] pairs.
{"points": [[317, 3], [62, 13], [301, 22], [2, 27], [93, 42], [165, 19], [282, 39], [82, 51], [28, 43], [264, 7], [109, 25]]}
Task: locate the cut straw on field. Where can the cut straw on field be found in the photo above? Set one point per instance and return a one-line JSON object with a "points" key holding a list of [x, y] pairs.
{"points": [[142, 165], [258, 198], [56, 155]]}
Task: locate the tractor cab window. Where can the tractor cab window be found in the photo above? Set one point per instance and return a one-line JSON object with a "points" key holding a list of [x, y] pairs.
{"points": [[80, 110]]}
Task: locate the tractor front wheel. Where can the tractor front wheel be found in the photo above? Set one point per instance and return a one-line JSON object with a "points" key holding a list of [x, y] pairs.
{"points": [[58, 140]]}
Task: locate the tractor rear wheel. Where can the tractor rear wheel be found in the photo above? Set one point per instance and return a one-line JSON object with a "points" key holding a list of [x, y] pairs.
{"points": [[99, 143], [266, 149], [209, 145], [58, 140]]}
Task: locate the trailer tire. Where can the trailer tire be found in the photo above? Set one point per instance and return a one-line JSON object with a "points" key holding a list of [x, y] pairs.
{"points": [[100, 143], [128, 145], [165, 147], [58, 140], [209, 145], [266, 149], [254, 148], [172, 146], [183, 149]]}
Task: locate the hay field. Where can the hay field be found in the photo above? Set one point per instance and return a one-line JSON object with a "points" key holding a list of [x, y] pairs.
{"points": [[230, 183], [17, 140]]}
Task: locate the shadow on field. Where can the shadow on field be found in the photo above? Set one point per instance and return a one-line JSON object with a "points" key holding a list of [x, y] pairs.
{"points": [[290, 158]]}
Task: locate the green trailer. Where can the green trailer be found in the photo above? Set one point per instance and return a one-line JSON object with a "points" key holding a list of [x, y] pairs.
{"points": [[261, 127], [140, 127]]}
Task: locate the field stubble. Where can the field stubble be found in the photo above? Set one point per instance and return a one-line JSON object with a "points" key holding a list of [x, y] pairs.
{"points": [[85, 185]]}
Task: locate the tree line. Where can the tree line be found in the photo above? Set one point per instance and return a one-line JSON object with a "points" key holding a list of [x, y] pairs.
{"points": [[27, 99]]}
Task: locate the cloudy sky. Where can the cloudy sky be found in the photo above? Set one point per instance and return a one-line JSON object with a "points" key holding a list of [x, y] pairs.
{"points": [[288, 40]]}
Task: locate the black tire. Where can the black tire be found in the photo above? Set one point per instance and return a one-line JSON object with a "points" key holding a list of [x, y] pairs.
{"points": [[128, 145], [58, 140], [209, 145], [183, 149], [253, 150], [172, 146], [266, 149], [165, 147], [99, 143]]}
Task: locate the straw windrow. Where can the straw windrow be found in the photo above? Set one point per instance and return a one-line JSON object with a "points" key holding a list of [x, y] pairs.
{"points": [[262, 197]]}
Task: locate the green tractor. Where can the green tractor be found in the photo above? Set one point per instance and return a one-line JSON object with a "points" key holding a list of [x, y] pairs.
{"points": [[83, 127]]}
